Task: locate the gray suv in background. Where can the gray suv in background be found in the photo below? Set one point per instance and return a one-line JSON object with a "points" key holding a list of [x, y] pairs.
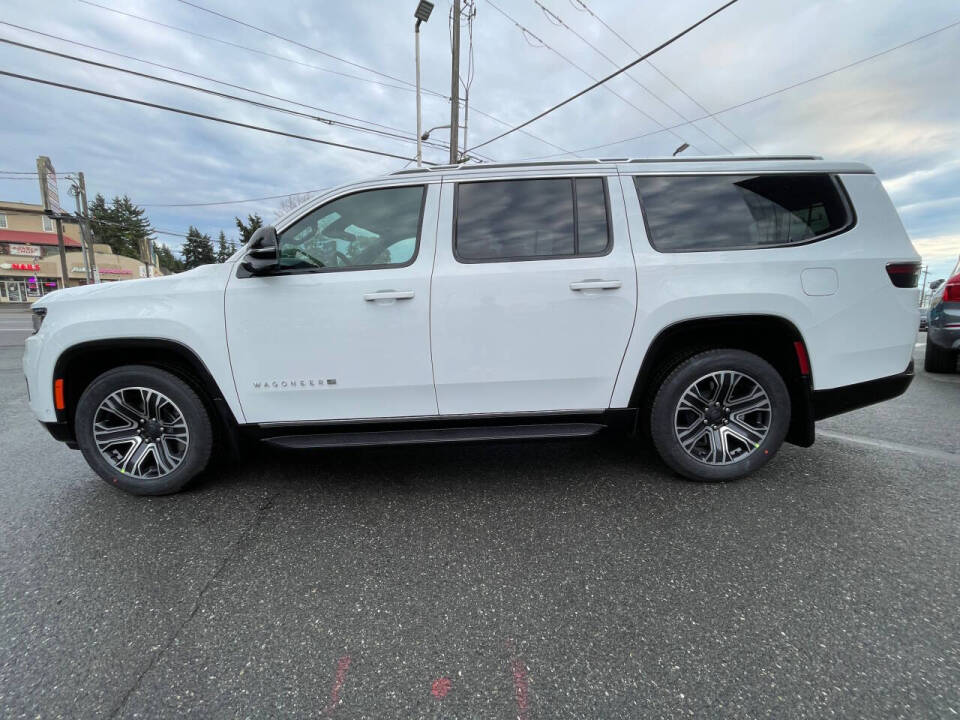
{"points": [[943, 326]]}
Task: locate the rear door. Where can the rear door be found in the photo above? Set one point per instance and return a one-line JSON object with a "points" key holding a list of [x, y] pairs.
{"points": [[533, 295]]}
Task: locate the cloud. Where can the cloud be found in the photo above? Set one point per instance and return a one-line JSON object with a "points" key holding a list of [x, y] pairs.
{"points": [[897, 112]]}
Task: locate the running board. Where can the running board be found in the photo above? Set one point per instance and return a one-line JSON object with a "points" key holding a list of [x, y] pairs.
{"points": [[435, 435]]}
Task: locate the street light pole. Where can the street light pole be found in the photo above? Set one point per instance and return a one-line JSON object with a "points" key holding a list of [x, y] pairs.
{"points": [[422, 14]]}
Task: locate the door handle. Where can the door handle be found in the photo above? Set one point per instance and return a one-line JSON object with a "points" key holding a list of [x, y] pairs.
{"points": [[596, 285], [388, 295]]}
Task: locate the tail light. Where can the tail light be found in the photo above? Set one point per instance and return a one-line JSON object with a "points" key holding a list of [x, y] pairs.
{"points": [[951, 290], [904, 275]]}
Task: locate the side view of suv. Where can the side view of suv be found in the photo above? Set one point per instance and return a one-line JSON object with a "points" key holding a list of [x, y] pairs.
{"points": [[943, 326], [717, 306]]}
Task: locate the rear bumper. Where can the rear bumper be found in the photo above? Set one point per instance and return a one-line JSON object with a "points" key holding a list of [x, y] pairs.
{"points": [[946, 338], [827, 403]]}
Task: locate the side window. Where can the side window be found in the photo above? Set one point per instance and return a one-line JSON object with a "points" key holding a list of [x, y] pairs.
{"points": [[533, 219], [368, 229], [688, 213]]}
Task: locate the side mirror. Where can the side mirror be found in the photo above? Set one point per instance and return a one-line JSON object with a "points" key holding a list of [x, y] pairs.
{"points": [[264, 253]]}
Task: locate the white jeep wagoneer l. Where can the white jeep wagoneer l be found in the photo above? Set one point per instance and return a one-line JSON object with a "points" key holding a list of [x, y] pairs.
{"points": [[717, 306]]}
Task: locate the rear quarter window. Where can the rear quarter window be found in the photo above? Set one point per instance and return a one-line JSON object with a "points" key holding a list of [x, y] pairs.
{"points": [[691, 213]]}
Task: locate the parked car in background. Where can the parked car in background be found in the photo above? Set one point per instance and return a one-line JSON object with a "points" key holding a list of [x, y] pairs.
{"points": [[943, 326], [719, 306], [924, 315]]}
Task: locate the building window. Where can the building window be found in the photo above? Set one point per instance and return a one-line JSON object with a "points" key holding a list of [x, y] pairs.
{"points": [[3, 220], [47, 224]]}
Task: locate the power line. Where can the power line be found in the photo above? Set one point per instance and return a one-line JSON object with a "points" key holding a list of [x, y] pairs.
{"points": [[600, 82], [232, 202], [557, 20], [196, 88], [774, 92], [199, 76], [295, 42], [73, 218], [202, 116], [581, 5], [253, 50], [304, 64], [527, 33]]}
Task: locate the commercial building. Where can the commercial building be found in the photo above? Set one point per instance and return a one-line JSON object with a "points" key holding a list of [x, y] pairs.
{"points": [[30, 259]]}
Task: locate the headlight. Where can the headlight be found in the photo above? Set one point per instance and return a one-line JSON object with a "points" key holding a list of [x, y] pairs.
{"points": [[39, 313]]}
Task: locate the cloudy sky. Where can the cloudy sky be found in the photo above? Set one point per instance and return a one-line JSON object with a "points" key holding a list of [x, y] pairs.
{"points": [[899, 112]]}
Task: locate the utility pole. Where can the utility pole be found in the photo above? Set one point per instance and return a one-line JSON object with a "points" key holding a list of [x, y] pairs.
{"points": [[79, 191], [455, 88], [85, 222], [923, 284]]}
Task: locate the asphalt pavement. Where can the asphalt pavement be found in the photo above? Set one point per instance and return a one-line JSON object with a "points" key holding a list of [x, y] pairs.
{"points": [[574, 579]]}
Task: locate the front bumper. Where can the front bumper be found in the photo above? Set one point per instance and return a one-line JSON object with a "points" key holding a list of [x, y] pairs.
{"points": [[63, 432], [827, 403]]}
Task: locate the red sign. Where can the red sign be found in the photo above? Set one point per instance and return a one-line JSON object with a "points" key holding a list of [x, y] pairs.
{"points": [[24, 266]]}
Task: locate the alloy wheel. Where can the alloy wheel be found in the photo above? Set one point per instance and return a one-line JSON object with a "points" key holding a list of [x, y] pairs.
{"points": [[141, 432], [722, 417]]}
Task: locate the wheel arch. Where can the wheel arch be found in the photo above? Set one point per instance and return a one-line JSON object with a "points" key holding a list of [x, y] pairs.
{"points": [[78, 365], [772, 337]]}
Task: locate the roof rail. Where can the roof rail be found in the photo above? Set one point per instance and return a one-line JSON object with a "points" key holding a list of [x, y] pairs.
{"points": [[608, 161]]}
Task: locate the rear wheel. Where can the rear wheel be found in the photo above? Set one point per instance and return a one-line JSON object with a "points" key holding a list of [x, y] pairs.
{"points": [[143, 430], [720, 415], [939, 360]]}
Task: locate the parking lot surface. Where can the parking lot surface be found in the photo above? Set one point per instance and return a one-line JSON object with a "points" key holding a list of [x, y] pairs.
{"points": [[534, 580]]}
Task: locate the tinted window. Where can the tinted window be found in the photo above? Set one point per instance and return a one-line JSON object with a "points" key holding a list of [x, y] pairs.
{"points": [[373, 228], [724, 212], [591, 216], [527, 219]]}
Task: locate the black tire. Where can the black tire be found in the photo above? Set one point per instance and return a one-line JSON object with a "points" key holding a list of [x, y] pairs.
{"points": [[938, 359], [197, 453], [663, 414]]}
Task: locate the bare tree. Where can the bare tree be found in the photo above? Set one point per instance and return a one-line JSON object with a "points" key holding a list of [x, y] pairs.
{"points": [[292, 202]]}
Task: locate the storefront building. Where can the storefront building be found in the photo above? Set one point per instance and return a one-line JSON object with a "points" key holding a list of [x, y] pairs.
{"points": [[30, 258]]}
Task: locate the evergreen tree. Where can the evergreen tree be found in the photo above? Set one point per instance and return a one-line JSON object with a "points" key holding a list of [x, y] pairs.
{"points": [[166, 259], [224, 248], [246, 230], [197, 249], [122, 225]]}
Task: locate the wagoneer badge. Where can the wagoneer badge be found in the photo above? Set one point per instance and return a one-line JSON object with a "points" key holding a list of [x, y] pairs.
{"points": [[293, 384]]}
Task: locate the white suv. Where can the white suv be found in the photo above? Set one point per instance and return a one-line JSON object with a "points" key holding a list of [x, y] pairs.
{"points": [[719, 306]]}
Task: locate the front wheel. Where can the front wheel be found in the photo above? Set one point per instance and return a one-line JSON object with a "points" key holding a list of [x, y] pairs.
{"points": [[143, 430], [720, 415]]}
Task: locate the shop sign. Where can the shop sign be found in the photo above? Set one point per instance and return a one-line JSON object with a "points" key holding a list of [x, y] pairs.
{"points": [[29, 250], [102, 271], [20, 266]]}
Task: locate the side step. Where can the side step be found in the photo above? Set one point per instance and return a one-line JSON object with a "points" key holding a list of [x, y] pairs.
{"points": [[435, 435]]}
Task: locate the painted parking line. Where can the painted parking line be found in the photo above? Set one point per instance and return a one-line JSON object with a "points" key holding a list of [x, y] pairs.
{"points": [[343, 664], [926, 452]]}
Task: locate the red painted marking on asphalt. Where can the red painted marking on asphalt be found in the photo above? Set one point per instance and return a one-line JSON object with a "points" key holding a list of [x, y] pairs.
{"points": [[343, 664], [440, 687], [521, 687]]}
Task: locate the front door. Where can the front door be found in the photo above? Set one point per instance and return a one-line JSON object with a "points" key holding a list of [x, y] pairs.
{"points": [[342, 330], [534, 295]]}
